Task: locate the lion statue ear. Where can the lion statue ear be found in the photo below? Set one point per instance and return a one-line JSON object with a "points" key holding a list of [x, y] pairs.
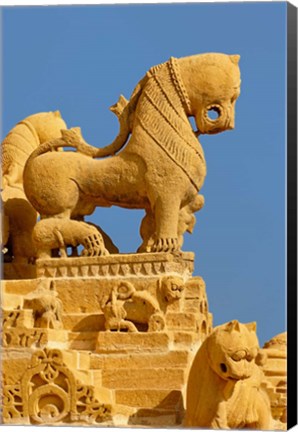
{"points": [[235, 58], [233, 325], [57, 114], [252, 326]]}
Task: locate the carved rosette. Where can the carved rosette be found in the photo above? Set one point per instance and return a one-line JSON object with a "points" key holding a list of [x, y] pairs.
{"points": [[49, 394]]}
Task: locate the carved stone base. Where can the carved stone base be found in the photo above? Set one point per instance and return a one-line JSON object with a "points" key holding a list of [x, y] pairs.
{"points": [[109, 341], [126, 329]]}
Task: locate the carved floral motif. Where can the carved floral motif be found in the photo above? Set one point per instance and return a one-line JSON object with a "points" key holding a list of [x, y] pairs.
{"points": [[49, 394]]}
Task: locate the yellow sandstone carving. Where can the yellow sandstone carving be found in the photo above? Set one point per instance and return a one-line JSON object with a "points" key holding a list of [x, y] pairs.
{"points": [[47, 308], [49, 392], [162, 167], [186, 223], [128, 309], [172, 288], [55, 233], [224, 385], [19, 216], [108, 339]]}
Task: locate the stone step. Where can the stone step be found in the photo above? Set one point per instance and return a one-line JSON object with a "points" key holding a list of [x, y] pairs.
{"points": [[273, 353], [106, 342], [276, 381], [275, 372], [118, 342], [182, 321], [154, 378], [178, 359], [177, 321], [155, 418], [148, 398], [181, 340], [82, 340], [83, 322], [11, 301], [275, 363]]}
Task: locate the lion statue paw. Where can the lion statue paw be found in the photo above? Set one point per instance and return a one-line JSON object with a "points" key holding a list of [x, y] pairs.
{"points": [[165, 245], [94, 246]]}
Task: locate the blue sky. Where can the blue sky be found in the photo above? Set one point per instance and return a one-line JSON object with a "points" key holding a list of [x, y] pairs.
{"points": [[80, 59]]}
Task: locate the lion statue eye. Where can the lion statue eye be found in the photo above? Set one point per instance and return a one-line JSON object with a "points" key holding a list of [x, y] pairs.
{"points": [[213, 112], [239, 355]]}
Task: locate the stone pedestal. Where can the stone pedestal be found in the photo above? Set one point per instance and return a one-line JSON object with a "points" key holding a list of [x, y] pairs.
{"points": [[63, 364]]}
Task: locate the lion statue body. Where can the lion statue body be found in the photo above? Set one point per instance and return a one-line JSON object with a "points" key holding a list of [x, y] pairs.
{"points": [[162, 166], [224, 384], [18, 214]]}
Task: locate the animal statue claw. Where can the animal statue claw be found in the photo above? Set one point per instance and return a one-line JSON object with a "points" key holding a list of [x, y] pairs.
{"points": [[165, 245], [94, 246]]}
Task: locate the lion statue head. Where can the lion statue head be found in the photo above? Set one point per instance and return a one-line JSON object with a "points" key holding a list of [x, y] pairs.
{"points": [[232, 350], [224, 385]]}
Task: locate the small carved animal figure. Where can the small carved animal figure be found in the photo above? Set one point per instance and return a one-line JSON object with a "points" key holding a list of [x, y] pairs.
{"points": [[47, 308], [16, 147], [224, 385], [162, 166], [53, 233], [115, 314], [126, 307]]}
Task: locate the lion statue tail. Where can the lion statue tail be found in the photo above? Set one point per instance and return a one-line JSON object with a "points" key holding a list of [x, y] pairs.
{"points": [[124, 110]]}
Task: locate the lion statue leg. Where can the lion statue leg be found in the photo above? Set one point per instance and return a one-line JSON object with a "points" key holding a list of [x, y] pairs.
{"points": [[147, 230], [166, 212], [186, 222]]}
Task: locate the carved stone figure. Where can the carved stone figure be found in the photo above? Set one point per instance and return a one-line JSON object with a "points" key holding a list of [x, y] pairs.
{"points": [[224, 385], [125, 307], [115, 314], [172, 288], [162, 167], [20, 216], [53, 233], [47, 308]]}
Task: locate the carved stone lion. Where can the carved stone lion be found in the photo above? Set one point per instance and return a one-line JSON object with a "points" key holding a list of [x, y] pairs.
{"points": [[20, 216], [162, 167], [224, 385]]}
